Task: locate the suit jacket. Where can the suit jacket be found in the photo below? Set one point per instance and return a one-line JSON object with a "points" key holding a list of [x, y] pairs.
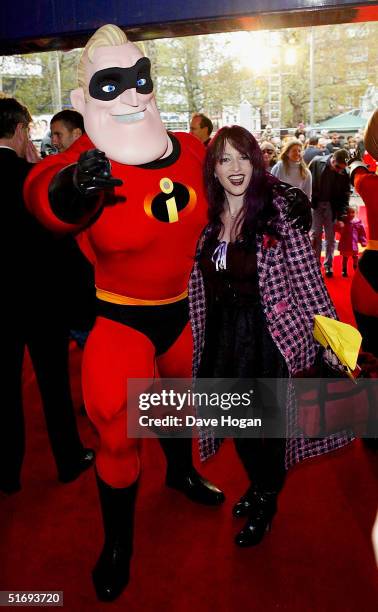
{"points": [[292, 292], [24, 241], [39, 266], [340, 186]]}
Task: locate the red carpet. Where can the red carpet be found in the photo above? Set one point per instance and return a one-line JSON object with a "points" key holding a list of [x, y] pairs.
{"points": [[318, 556]]}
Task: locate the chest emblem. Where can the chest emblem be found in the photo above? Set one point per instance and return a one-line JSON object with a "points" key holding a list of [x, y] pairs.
{"points": [[173, 202]]}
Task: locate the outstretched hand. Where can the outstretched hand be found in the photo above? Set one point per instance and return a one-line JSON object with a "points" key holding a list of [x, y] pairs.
{"points": [[93, 173]]}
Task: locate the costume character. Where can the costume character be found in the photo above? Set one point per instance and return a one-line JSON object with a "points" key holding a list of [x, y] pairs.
{"points": [[364, 289], [139, 230]]}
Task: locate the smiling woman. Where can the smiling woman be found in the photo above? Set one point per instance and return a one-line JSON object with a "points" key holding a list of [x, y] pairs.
{"points": [[262, 288]]}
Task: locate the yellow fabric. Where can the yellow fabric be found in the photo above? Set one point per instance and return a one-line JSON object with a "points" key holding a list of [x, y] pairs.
{"points": [[123, 300], [343, 339]]}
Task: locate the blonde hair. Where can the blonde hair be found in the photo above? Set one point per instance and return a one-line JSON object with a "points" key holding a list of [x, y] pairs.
{"points": [[107, 36], [284, 157]]}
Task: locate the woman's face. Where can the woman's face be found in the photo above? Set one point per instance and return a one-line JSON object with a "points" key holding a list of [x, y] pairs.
{"points": [[295, 153], [234, 171], [268, 155]]}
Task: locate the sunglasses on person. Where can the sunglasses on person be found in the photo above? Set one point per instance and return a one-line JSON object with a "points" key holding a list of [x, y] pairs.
{"points": [[337, 166], [269, 151]]}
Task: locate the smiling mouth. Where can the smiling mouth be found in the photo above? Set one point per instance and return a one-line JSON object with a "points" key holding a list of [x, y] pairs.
{"points": [[129, 118], [236, 179]]}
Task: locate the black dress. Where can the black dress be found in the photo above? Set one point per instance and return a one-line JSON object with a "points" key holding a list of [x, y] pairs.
{"points": [[237, 341], [238, 344]]}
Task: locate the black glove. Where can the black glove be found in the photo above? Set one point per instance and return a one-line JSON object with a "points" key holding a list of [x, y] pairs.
{"points": [[76, 192], [93, 173], [298, 212]]}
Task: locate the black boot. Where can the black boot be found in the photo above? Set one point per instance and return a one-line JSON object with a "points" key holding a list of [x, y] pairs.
{"points": [[260, 520], [263, 460], [245, 504], [75, 468], [111, 572], [182, 476]]}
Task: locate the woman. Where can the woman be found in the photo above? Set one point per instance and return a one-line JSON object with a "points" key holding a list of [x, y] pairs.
{"points": [[260, 282], [269, 155], [291, 167]]}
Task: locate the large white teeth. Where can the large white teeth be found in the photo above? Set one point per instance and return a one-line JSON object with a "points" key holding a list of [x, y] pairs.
{"points": [[130, 118]]}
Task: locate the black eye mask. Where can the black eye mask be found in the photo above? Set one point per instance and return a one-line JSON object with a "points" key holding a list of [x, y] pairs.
{"points": [[109, 83]]}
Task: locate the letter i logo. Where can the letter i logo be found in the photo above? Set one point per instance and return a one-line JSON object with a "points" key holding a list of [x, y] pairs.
{"points": [[166, 186], [173, 202]]}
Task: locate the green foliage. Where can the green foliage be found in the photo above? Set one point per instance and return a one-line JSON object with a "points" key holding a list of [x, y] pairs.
{"points": [[199, 73]]}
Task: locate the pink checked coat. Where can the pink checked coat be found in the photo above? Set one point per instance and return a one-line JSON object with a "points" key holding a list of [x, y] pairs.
{"points": [[292, 292]]}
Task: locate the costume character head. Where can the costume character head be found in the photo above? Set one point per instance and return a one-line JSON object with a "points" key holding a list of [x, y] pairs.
{"points": [[116, 99], [371, 135]]}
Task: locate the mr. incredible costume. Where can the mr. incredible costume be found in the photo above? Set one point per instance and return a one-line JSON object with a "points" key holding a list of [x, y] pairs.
{"points": [[139, 230], [364, 289]]}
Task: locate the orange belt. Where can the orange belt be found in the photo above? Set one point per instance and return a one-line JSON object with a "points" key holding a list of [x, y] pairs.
{"points": [[123, 300], [372, 245]]}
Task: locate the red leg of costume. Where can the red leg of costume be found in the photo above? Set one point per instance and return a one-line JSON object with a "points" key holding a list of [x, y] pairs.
{"points": [[177, 361], [113, 353]]}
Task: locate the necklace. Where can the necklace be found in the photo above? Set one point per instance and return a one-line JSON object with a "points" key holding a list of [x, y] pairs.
{"points": [[231, 215]]}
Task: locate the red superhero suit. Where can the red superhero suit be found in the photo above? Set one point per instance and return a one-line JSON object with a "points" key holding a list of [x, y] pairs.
{"points": [[364, 290], [139, 218], [141, 253]]}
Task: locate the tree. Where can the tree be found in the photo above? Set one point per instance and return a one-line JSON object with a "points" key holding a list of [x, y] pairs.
{"points": [[199, 74]]}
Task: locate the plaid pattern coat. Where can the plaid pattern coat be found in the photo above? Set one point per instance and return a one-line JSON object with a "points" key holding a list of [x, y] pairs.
{"points": [[292, 291]]}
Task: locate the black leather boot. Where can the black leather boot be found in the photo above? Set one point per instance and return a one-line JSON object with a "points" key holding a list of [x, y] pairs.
{"points": [[245, 504], [182, 476], [75, 468], [259, 521], [111, 572]]}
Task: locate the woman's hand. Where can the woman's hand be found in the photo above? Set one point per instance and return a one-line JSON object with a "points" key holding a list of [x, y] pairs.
{"points": [[332, 361]]}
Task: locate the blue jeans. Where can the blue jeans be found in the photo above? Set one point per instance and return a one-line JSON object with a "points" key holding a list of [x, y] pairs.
{"points": [[322, 217]]}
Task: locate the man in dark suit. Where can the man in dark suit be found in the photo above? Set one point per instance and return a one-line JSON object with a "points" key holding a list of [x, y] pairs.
{"points": [[34, 308], [330, 199], [66, 127]]}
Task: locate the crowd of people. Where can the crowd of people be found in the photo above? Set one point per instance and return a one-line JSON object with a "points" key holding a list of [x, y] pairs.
{"points": [[144, 205]]}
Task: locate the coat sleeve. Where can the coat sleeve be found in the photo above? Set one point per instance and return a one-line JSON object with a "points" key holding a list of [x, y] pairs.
{"points": [[276, 170], [305, 276], [307, 186], [36, 193], [342, 202], [362, 238]]}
